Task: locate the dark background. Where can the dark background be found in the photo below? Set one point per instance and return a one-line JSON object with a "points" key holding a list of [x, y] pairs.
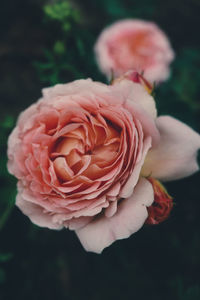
{"points": [[45, 42]]}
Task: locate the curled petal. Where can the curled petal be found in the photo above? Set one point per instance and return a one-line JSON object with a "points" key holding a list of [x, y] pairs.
{"points": [[176, 155], [131, 215], [136, 93]]}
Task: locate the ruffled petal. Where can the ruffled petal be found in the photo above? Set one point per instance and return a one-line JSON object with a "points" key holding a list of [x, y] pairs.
{"points": [[131, 215], [129, 186], [36, 213]]}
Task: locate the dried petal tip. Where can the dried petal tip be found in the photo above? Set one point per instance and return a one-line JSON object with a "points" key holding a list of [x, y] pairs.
{"points": [[160, 209]]}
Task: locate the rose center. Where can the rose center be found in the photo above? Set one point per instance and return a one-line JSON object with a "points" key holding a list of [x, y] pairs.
{"points": [[86, 151], [135, 46]]}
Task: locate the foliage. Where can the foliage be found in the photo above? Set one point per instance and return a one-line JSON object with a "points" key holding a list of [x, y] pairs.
{"points": [[62, 12], [68, 56], [7, 189]]}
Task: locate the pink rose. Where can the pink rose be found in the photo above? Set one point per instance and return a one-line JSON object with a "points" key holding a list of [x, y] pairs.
{"points": [[134, 44], [82, 154]]}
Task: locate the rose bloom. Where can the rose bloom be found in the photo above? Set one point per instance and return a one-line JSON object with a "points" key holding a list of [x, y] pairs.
{"points": [[83, 155], [134, 44]]}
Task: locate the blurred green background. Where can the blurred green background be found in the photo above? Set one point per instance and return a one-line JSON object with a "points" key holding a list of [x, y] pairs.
{"points": [[45, 42]]}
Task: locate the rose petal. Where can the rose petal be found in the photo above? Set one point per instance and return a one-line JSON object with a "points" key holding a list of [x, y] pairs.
{"points": [[111, 209], [130, 216], [76, 223], [36, 213], [136, 93], [175, 156], [128, 188]]}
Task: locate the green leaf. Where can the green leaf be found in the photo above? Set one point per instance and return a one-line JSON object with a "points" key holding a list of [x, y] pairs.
{"points": [[4, 257], [8, 122], [59, 48], [61, 12], [58, 11]]}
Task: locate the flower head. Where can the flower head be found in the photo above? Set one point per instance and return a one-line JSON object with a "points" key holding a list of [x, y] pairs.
{"points": [[82, 154], [134, 44]]}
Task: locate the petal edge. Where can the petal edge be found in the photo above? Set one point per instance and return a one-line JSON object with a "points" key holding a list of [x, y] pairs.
{"points": [[175, 156], [130, 217]]}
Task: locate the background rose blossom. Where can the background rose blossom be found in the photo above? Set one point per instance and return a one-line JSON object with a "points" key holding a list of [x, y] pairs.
{"points": [[82, 153], [134, 44]]}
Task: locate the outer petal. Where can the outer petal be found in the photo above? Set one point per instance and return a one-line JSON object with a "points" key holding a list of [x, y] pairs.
{"points": [[129, 186], [135, 92], [76, 87], [13, 141], [175, 156], [129, 218], [36, 213]]}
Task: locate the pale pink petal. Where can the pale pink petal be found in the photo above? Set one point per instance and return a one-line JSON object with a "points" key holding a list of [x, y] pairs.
{"points": [[77, 87], [136, 93], [129, 218], [13, 142], [176, 155], [36, 213], [26, 118], [77, 223], [114, 191], [147, 122], [111, 209], [128, 188]]}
